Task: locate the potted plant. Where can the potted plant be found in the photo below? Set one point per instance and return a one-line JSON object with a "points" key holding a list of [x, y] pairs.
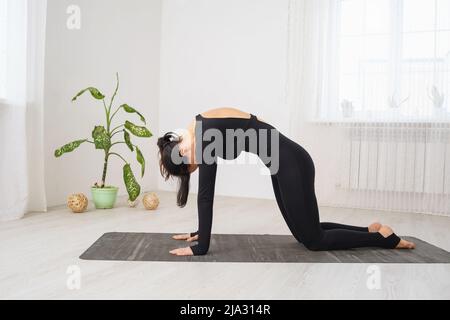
{"points": [[104, 196]]}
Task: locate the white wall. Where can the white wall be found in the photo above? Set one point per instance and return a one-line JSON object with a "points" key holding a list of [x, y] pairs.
{"points": [[115, 35], [213, 53], [224, 53]]}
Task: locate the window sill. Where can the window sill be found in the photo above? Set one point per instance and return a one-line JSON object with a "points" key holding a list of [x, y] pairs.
{"points": [[4, 102], [441, 118], [380, 122], [380, 117]]}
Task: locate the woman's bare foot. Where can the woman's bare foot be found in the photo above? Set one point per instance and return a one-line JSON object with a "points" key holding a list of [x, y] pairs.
{"points": [[375, 227], [403, 244], [386, 231]]}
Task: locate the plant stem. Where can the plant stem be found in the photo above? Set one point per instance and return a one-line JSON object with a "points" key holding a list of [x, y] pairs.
{"points": [[107, 116], [118, 142], [108, 126], [117, 155], [115, 92], [112, 116], [105, 168], [112, 131], [116, 133]]}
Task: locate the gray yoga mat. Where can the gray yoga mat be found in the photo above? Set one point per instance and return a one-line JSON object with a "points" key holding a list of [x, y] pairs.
{"points": [[126, 246]]}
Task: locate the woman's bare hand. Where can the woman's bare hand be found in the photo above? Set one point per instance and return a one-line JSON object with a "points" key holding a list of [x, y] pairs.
{"points": [[182, 252], [186, 237], [194, 238]]}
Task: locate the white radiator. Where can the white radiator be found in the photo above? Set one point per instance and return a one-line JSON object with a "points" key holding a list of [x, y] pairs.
{"points": [[396, 167]]}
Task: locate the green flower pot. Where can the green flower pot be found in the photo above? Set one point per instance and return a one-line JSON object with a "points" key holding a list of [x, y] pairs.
{"points": [[104, 198]]}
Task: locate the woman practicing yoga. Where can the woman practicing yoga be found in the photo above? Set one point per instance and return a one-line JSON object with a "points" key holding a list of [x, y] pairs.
{"points": [[216, 134]]}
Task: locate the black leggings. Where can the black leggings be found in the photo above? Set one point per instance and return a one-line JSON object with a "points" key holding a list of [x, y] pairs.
{"points": [[293, 186]]}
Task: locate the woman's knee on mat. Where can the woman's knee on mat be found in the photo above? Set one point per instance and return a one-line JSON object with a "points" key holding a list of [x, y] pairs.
{"points": [[315, 243]]}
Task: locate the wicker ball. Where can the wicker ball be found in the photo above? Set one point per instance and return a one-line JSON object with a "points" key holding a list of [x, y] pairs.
{"points": [[77, 202], [150, 201]]}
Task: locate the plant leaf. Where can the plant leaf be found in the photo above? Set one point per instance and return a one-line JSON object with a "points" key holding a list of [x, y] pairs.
{"points": [[133, 188], [101, 138], [129, 109], [141, 160], [138, 131], [126, 137], [95, 93], [68, 147]]}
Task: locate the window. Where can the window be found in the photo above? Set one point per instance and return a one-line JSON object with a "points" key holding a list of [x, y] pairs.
{"points": [[2, 48], [393, 58]]}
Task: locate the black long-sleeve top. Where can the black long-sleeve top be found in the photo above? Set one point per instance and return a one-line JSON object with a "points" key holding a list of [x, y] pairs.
{"points": [[206, 135]]}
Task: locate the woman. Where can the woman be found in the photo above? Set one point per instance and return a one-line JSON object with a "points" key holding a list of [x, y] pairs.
{"points": [[292, 181]]}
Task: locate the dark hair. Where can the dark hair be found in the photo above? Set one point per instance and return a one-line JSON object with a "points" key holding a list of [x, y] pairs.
{"points": [[167, 145]]}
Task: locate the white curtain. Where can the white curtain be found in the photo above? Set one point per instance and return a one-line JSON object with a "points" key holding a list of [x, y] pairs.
{"points": [[21, 108], [309, 50], [378, 73]]}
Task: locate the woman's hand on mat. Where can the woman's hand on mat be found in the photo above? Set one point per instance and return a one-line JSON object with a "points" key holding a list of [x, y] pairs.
{"points": [[182, 252], [187, 237]]}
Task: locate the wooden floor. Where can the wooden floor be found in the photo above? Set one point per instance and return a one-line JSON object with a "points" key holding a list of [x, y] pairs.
{"points": [[37, 252]]}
